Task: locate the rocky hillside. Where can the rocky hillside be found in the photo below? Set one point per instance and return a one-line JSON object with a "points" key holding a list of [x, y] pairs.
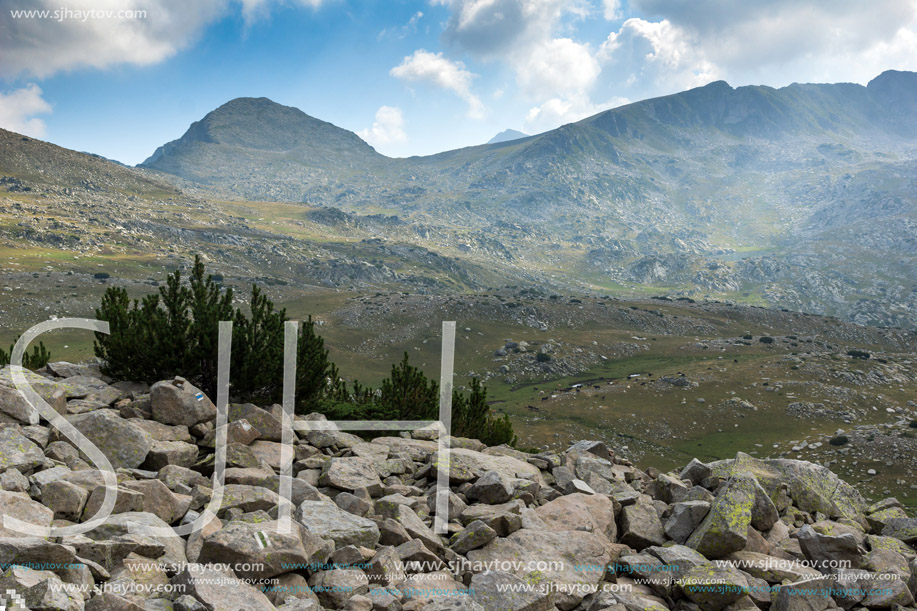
{"points": [[230, 147], [801, 197], [582, 529]]}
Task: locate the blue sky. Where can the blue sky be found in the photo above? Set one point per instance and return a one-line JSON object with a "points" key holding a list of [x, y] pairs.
{"points": [[412, 77]]}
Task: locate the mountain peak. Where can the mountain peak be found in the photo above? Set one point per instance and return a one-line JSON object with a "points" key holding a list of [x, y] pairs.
{"points": [[507, 135], [261, 104], [244, 133]]}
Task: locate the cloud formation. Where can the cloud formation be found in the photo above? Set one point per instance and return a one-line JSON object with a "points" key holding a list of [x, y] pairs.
{"points": [[253, 10], [99, 33], [657, 56], [18, 109], [434, 69], [560, 111], [555, 67], [554, 71], [612, 9], [48, 36], [388, 128], [775, 42], [490, 29]]}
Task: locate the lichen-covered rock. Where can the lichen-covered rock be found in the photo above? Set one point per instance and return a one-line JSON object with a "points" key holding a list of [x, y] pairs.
{"points": [[725, 528], [14, 405], [904, 529], [477, 534], [38, 589], [812, 487], [18, 452], [124, 443]]}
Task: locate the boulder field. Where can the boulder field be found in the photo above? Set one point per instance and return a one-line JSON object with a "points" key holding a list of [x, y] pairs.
{"points": [[574, 530]]}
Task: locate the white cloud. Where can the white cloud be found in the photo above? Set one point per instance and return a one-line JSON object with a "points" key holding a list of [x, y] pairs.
{"points": [[658, 56], [489, 29], [402, 32], [105, 33], [434, 69], [559, 111], [557, 67], [18, 109], [612, 9], [388, 128], [781, 41], [41, 47], [527, 36]]}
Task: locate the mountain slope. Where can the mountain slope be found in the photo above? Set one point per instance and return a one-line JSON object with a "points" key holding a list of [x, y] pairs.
{"points": [[799, 196]]}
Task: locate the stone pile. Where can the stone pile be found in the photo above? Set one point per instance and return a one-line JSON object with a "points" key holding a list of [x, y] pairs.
{"points": [[578, 530]]}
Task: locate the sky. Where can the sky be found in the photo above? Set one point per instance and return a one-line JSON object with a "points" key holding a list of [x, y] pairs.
{"points": [[412, 77]]}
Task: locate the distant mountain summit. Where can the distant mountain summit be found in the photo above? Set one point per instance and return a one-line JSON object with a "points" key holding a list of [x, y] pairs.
{"points": [[507, 135], [231, 147]]}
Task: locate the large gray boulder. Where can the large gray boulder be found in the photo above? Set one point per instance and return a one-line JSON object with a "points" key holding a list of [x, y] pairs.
{"points": [[259, 550], [640, 525], [136, 523], [178, 401], [350, 474], [806, 595], [713, 586], [685, 518], [492, 488], [21, 507], [725, 529], [325, 519], [269, 428], [38, 589], [475, 535], [564, 557], [506, 592], [124, 443], [220, 589], [812, 487], [17, 452], [590, 513], [468, 465], [823, 549], [14, 406]]}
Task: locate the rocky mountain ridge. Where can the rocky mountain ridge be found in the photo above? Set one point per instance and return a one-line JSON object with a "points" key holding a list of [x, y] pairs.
{"points": [[788, 196]]}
